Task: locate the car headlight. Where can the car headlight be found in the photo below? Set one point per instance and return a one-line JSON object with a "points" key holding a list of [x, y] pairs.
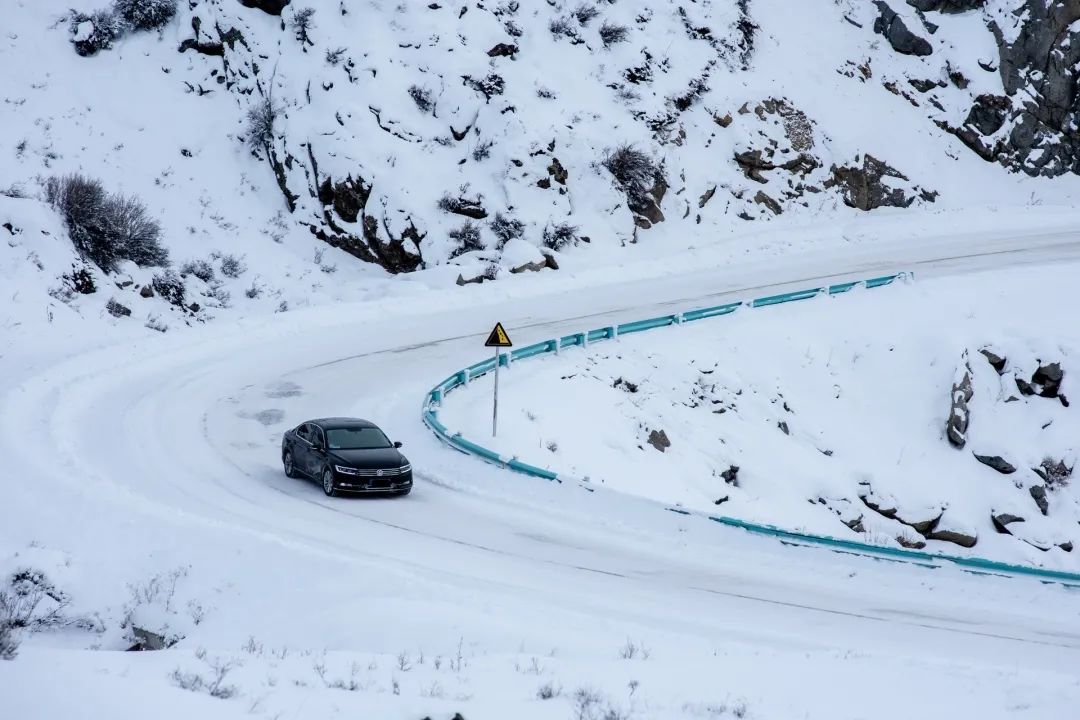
{"points": [[407, 467], [346, 470]]}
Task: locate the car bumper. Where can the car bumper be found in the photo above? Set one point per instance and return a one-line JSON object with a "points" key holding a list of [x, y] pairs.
{"points": [[359, 486]]}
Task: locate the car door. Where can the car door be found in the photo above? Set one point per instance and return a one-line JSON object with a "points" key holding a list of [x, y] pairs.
{"points": [[300, 448], [316, 452]]}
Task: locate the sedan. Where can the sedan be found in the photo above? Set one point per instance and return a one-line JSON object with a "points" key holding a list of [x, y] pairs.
{"points": [[346, 455]]}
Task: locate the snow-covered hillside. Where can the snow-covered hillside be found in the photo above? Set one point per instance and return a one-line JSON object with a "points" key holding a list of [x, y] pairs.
{"points": [[824, 417], [323, 142]]}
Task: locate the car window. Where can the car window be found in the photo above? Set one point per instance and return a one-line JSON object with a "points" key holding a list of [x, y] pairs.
{"points": [[317, 436], [360, 438], [302, 432]]}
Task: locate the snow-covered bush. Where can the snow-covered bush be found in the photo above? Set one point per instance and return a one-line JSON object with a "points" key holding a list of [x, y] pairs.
{"points": [[560, 235], [585, 12], [303, 22], [199, 268], [422, 98], [106, 228], [145, 14], [168, 285], [231, 266], [467, 238], [506, 228], [260, 123], [634, 171], [94, 32]]}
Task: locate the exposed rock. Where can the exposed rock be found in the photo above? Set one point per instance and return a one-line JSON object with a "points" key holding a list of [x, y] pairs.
{"points": [[752, 163], [959, 413], [731, 475], [1039, 70], [722, 500], [763, 198], [1049, 376], [646, 206], [706, 196], [996, 361], [350, 197], [1038, 494], [557, 172], [909, 543], [1024, 387], [116, 309], [503, 50], [271, 7], [889, 512], [903, 41], [923, 527], [149, 640], [946, 6], [659, 440], [1067, 546], [856, 524], [784, 427], [997, 462], [954, 536], [146, 291], [1003, 520], [863, 188]]}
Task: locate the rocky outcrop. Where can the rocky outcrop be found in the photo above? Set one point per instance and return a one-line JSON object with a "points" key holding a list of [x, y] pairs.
{"points": [[1039, 71], [903, 41], [1038, 494], [863, 187], [959, 413], [659, 440]]}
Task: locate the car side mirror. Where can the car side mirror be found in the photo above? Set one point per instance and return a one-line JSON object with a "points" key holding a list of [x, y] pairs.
{"points": [[398, 443], [317, 447]]}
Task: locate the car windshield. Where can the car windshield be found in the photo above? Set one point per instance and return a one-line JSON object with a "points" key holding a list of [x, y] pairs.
{"points": [[359, 438]]}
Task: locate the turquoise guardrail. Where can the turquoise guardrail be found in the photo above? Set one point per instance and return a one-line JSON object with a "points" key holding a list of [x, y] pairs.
{"points": [[462, 378]]}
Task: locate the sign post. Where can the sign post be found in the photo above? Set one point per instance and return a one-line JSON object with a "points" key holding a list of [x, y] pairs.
{"points": [[498, 339]]}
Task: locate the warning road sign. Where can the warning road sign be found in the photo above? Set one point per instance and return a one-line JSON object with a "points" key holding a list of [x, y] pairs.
{"points": [[498, 338]]}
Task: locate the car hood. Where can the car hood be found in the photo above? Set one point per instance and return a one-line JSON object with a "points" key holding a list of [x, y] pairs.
{"points": [[377, 459]]}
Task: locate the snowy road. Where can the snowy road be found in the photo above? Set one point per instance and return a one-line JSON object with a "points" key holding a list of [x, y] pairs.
{"points": [[180, 435]]}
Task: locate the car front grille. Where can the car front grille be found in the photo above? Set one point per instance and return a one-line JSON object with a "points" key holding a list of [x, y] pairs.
{"points": [[387, 472]]}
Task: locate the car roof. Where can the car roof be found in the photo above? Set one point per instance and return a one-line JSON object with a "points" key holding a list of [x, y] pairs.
{"points": [[342, 422]]}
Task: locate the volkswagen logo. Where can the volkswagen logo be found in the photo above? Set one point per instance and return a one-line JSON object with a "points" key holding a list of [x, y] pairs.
{"points": [[379, 473]]}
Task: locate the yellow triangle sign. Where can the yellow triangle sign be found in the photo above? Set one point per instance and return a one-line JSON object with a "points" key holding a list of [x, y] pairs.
{"points": [[498, 337]]}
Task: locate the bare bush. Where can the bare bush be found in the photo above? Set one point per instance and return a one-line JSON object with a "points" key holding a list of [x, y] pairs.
{"points": [[635, 172], [547, 691], [632, 649], [505, 228], [145, 14], [106, 228], [213, 685], [231, 265], [9, 641], [303, 22], [333, 57], [560, 235], [611, 34], [489, 86], [482, 151], [422, 98], [562, 27], [585, 12]]}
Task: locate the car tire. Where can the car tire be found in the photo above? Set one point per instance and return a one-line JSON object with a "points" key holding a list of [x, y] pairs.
{"points": [[290, 468], [328, 483]]}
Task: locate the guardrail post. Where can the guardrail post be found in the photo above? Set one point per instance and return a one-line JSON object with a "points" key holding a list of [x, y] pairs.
{"points": [[436, 397], [557, 343], [585, 339], [613, 332], [465, 377]]}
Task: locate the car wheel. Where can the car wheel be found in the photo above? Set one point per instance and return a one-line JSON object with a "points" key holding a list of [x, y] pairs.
{"points": [[290, 468], [328, 483]]}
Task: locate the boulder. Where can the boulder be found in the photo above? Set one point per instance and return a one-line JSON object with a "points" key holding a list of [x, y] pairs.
{"points": [[731, 475], [996, 462], [1024, 387], [1049, 377], [763, 198], [1038, 494], [959, 414], [878, 507], [271, 7], [503, 50], [146, 291], [909, 543], [557, 172], [116, 309], [946, 6], [996, 361], [954, 536], [1002, 521], [659, 440], [903, 41], [923, 527]]}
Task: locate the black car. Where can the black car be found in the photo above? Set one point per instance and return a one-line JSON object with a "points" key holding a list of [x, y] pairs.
{"points": [[346, 455]]}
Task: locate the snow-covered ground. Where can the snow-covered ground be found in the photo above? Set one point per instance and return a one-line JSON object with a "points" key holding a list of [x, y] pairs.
{"points": [[157, 458], [805, 415]]}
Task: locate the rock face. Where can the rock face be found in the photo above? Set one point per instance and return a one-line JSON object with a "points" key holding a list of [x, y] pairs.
{"points": [[959, 415], [996, 361], [903, 41], [1039, 70], [1038, 494], [863, 188]]}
